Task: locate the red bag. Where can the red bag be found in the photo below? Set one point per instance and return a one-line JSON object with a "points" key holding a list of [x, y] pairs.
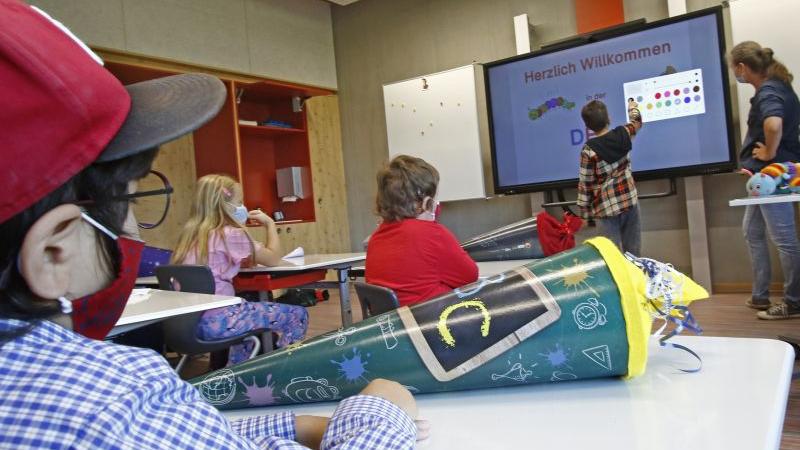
{"points": [[555, 236]]}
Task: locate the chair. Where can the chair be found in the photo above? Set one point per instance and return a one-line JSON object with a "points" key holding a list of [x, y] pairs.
{"points": [[180, 332], [375, 299]]}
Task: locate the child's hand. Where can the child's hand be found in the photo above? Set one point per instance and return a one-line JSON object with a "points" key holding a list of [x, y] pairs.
{"points": [[260, 217], [633, 111], [423, 429]]}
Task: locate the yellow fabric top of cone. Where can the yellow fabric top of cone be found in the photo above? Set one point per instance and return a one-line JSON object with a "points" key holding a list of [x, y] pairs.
{"points": [[632, 285]]}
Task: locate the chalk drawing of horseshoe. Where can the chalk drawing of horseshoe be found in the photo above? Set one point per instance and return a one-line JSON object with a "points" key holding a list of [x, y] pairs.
{"points": [[483, 282], [307, 389], [444, 331], [387, 330]]}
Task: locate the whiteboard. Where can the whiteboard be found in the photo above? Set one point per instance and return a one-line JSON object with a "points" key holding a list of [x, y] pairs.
{"points": [[773, 24], [435, 117]]}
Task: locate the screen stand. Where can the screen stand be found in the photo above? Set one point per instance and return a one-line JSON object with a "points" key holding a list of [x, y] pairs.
{"points": [[695, 203], [698, 231], [522, 34]]}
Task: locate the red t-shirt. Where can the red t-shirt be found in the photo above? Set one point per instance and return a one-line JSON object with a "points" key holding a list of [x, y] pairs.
{"points": [[418, 260]]}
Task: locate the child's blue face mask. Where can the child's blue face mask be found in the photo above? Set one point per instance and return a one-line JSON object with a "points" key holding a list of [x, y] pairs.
{"points": [[240, 214]]}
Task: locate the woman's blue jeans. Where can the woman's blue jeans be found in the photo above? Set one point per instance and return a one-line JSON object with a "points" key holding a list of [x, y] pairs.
{"points": [[777, 221]]}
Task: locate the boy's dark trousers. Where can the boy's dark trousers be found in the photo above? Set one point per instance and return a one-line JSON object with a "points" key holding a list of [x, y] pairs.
{"points": [[624, 229]]}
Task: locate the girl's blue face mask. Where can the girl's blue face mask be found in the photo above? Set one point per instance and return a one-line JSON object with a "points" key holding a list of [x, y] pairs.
{"points": [[240, 214]]}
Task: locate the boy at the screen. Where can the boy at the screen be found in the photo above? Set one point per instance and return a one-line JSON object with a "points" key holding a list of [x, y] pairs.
{"points": [[606, 192]]}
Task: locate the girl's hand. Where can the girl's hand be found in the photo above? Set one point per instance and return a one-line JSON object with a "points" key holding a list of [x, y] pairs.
{"points": [[260, 217]]}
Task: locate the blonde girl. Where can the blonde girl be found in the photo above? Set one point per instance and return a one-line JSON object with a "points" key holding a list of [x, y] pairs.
{"points": [[215, 236]]}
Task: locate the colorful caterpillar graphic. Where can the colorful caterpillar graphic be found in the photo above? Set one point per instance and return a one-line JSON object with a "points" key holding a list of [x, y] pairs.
{"points": [[555, 102], [776, 178]]}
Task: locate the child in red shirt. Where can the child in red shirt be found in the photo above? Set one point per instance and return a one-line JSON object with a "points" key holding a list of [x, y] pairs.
{"points": [[410, 252]]}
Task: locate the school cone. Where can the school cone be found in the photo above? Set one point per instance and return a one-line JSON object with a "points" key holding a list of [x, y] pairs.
{"points": [[518, 240], [579, 314], [531, 238]]}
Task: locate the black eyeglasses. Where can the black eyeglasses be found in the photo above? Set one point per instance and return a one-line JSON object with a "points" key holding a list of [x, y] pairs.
{"points": [[150, 202]]}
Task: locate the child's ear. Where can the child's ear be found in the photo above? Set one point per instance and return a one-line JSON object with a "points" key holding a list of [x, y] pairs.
{"points": [[49, 250], [427, 203]]}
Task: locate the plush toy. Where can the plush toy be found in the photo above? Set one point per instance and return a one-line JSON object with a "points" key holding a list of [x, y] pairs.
{"points": [[776, 178]]}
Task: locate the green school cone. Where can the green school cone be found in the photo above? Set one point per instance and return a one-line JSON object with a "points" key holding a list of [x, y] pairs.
{"points": [[575, 315]]}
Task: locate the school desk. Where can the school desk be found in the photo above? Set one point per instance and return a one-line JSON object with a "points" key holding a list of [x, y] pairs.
{"points": [[304, 272], [737, 401], [152, 305], [491, 268]]}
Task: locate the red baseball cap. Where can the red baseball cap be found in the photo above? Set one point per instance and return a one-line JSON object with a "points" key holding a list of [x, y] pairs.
{"points": [[61, 110]]}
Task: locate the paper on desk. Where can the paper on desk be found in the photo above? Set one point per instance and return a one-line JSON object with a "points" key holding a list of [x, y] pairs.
{"points": [[139, 295], [296, 253]]}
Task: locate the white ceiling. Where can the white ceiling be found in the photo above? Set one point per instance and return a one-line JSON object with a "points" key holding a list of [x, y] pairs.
{"points": [[343, 2]]}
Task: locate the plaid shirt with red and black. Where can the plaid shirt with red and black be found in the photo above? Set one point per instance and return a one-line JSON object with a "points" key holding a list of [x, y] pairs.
{"points": [[604, 189]]}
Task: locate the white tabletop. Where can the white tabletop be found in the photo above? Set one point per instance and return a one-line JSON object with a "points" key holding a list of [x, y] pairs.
{"points": [[491, 268], [737, 401], [320, 261], [147, 281], [158, 305], [785, 198]]}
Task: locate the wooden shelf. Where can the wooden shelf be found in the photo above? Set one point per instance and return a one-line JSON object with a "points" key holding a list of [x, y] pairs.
{"points": [[265, 130]]}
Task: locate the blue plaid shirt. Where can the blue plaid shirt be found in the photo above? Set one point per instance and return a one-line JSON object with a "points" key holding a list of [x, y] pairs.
{"points": [[61, 390]]}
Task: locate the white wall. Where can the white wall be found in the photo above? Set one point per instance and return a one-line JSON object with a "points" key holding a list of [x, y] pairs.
{"points": [[288, 40]]}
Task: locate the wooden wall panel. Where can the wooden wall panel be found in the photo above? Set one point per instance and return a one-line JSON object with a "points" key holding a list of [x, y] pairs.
{"points": [[176, 161], [330, 233], [327, 173]]}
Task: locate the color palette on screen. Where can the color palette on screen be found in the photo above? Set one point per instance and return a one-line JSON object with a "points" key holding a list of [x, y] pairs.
{"points": [[668, 96]]}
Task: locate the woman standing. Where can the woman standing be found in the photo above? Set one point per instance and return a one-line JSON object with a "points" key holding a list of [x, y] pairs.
{"points": [[772, 136]]}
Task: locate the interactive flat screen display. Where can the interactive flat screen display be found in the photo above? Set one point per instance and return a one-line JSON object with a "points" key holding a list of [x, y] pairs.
{"points": [[674, 69]]}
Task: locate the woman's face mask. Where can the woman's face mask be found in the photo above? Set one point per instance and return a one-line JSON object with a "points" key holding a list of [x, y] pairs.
{"points": [[96, 314]]}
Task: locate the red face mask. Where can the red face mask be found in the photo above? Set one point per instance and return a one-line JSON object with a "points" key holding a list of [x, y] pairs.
{"points": [[96, 314]]}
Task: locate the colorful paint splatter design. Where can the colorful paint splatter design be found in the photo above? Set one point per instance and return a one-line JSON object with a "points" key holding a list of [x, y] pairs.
{"points": [[352, 369]]}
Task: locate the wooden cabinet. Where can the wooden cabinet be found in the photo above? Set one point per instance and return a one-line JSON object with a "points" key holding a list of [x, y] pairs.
{"points": [[253, 153]]}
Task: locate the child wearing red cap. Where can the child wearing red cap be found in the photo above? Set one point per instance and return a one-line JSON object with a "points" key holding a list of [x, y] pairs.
{"points": [[74, 142]]}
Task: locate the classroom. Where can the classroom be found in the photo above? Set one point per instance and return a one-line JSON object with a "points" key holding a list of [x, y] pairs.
{"points": [[395, 224]]}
